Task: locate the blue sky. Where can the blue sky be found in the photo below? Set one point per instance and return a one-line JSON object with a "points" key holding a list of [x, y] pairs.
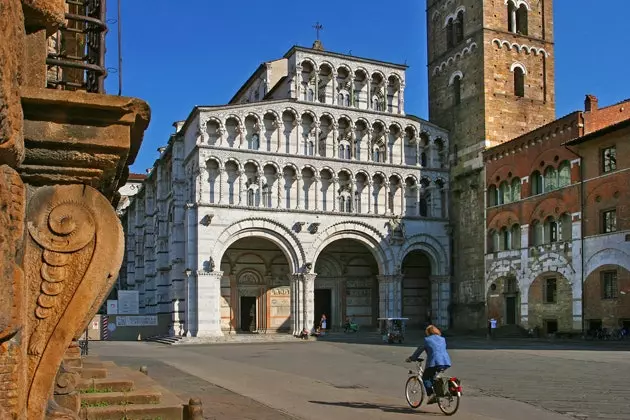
{"points": [[200, 52]]}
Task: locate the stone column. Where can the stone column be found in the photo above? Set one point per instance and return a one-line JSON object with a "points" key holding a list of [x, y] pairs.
{"points": [[440, 300], [208, 303], [241, 174], [419, 195], [298, 184], [316, 95], [308, 297], [401, 99], [220, 133], [316, 141], [335, 135], [296, 126], [388, 210], [403, 198], [261, 176], [431, 158], [298, 82], [334, 91], [513, 20], [369, 92], [369, 133], [390, 296], [190, 288], [369, 195], [204, 185], [388, 153], [222, 184], [335, 183], [316, 181], [401, 136], [279, 196], [297, 304]]}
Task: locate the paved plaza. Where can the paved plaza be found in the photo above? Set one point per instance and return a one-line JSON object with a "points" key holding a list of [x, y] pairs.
{"points": [[349, 377]]}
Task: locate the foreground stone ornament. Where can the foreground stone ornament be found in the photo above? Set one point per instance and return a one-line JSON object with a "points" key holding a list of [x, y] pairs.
{"points": [[73, 254]]}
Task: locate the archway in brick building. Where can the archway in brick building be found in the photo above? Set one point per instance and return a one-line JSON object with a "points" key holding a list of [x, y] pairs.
{"points": [[504, 301], [607, 297], [416, 289], [550, 304], [346, 284], [255, 291]]}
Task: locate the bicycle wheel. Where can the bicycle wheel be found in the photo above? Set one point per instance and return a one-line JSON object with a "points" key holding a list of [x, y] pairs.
{"points": [[449, 404], [414, 392]]}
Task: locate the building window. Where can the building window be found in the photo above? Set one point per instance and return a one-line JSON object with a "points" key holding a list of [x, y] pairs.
{"points": [[511, 16], [254, 142], [357, 201], [459, 28], [521, 20], [266, 196], [551, 179], [609, 159], [609, 221], [564, 174], [609, 285], [536, 183], [551, 231], [538, 231], [492, 196], [449, 34], [457, 90], [516, 189], [311, 148], [519, 82], [250, 197], [551, 291], [506, 239]]}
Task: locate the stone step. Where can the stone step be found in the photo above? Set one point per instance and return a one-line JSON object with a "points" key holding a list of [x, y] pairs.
{"points": [[133, 412], [105, 385], [90, 372], [121, 398]]}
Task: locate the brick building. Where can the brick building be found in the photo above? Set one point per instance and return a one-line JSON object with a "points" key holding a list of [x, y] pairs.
{"points": [[550, 194], [491, 79]]}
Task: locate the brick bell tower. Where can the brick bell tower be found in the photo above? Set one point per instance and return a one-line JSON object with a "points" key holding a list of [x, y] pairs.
{"points": [[491, 79]]}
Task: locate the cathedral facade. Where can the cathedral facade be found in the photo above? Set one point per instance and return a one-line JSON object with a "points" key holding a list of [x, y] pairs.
{"points": [[311, 192]]}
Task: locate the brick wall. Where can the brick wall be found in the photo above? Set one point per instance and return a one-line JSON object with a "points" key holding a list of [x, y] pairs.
{"points": [[609, 311], [561, 311]]}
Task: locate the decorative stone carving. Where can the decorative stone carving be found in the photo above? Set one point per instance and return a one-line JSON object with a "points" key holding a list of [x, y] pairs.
{"points": [[249, 277], [313, 228], [396, 230], [72, 259]]}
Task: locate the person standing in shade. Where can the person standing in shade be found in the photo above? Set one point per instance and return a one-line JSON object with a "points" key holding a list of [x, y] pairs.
{"points": [[492, 325], [322, 324]]}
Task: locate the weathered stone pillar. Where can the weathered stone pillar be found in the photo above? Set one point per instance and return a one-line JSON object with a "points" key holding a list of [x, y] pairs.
{"points": [[308, 297], [296, 284], [440, 300], [208, 304], [390, 296]]}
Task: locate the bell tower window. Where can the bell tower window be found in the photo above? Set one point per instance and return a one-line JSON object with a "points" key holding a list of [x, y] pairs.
{"points": [[519, 79], [459, 28], [521, 20], [449, 34], [456, 85], [517, 17]]}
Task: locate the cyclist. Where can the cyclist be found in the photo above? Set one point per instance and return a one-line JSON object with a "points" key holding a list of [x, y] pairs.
{"points": [[438, 359]]}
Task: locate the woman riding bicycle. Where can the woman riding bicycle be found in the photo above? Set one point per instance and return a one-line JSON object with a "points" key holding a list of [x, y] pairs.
{"points": [[438, 359]]}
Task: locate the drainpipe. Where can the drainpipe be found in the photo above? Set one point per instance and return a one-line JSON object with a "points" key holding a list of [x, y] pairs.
{"points": [[582, 225], [485, 240]]}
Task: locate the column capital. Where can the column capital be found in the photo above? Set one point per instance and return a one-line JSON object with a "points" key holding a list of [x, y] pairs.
{"points": [[390, 278], [212, 274]]}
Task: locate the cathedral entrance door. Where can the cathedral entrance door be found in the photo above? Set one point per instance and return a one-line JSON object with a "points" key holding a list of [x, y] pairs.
{"points": [[248, 313], [510, 310], [323, 305]]}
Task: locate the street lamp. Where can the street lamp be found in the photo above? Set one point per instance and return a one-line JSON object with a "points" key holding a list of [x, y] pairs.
{"points": [[187, 272]]}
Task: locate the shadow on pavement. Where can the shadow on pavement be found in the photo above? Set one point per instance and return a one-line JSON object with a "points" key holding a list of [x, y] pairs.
{"points": [[383, 407]]}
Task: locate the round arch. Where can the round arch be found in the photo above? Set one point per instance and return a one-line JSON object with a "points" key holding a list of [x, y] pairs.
{"points": [[268, 229], [362, 233], [608, 256], [430, 246]]}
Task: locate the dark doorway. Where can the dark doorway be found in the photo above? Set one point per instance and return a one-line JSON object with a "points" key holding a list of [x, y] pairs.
{"points": [[323, 305], [248, 313], [510, 310]]}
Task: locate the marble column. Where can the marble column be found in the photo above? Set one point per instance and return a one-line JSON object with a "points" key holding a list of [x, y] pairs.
{"points": [[401, 99], [297, 310], [316, 95], [335, 183], [370, 185], [240, 201], [298, 195], [280, 188], [390, 296], [261, 177], [308, 297], [208, 285], [315, 141], [222, 193], [335, 142], [440, 300], [316, 182]]}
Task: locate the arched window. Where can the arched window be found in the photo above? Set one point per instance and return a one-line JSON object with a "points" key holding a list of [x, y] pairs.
{"points": [[519, 82], [551, 230], [449, 34], [347, 99], [551, 179], [250, 197], [506, 239], [516, 237], [342, 203], [521, 20], [311, 148], [511, 16], [504, 193], [516, 189], [311, 95], [564, 174], [457, 90], [340, 99], [424, 204], [379, 153], [348, 156], [536, 182], [266, 196], [492, 196], [254, 142], [566, 226], [495, 241], [423, 159], [537, 230], [341, 151], [459, 28], [357, 201]]}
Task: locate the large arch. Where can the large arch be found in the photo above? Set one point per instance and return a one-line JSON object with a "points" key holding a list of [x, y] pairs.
{"points": [[550, 303], [346, 284], [269, 229], [255, 288], [416, 293], [435, 251], [608, 256], [361, 232]]}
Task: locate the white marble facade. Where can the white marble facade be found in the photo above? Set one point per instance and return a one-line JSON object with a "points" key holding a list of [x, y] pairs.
{"points": [[310, 192]]}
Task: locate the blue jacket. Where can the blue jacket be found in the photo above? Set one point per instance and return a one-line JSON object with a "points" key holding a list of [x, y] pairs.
{"points": [[435, 346]]}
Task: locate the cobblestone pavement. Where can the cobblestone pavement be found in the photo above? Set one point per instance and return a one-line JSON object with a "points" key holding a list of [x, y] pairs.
{"points": [[343, 378]]}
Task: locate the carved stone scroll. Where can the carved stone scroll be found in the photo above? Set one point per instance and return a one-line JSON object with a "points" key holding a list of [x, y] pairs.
{"points": [[72, 259]]}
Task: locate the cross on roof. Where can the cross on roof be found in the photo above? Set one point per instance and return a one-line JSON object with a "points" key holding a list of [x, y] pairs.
{"points": [[318, 27]]}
